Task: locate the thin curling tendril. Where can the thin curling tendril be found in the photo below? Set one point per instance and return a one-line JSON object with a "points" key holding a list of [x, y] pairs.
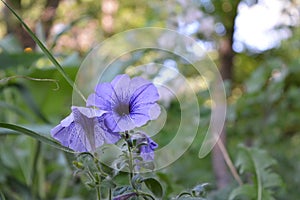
{"points": [[5, 80]]}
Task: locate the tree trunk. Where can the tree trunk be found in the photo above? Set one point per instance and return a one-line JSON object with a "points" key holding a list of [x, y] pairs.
{"points": [[48, 15], [15, 27], [219, 166], [226, 56]]}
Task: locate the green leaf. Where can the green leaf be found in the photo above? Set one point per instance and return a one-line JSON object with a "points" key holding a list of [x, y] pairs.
{"points": [[243, 191], [258, 163], [108, 153], [15, 109], [18, 59], [27, 97], [35, 135], [154, 186], [257, 80], [2, 195]]}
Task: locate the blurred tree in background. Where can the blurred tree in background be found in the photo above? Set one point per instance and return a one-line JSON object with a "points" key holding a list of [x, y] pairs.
{"points": [[262, 87]]}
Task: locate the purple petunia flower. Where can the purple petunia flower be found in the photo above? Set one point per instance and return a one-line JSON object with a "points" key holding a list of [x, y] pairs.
{"points": [[128, 103], [84, 130], [146, 145], [147, 151]]}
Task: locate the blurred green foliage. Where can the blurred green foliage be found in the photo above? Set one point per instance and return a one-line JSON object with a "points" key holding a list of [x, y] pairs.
{"points": [[263, 110]]}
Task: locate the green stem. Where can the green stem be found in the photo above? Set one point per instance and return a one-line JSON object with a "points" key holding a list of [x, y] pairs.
{"points": [[90, 175], [2, 196], [130, 156], [98, 190], [34, 170], [229, 162], [99, 168], [130, 163], [35, 161], [109, 194]]}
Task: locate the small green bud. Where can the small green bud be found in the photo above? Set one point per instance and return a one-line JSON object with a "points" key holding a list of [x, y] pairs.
{"points": [[78, 165]]}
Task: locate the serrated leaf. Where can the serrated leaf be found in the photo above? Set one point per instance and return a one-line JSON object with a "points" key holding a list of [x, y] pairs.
{"points": [[154, 186], [273, 180], [244, 190], [258, 163]]}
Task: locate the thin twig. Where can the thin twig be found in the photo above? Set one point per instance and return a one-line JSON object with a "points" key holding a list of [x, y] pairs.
{"points": [[229, 162]]}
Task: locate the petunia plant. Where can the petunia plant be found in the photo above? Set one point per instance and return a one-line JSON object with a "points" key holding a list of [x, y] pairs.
{"points": [[111, 117], [108, 142]]}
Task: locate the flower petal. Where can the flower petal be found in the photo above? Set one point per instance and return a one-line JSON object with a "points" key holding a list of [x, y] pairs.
{"points": [[103, 136], [154, 111], [144, 112], [89, 112], [67, 137], [144, 95], [136, 83], [121, 87], [129, 103], [146, 150], [59, 133], [67, 121], [117, 123], [125, 123], [86, 132], [103, 98], [75, 141], [85, 129]]}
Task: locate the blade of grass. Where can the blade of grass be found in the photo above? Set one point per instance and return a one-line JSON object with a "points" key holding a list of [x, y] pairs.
{"points": [[35, 135], [46, 51], [2, 196]]}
